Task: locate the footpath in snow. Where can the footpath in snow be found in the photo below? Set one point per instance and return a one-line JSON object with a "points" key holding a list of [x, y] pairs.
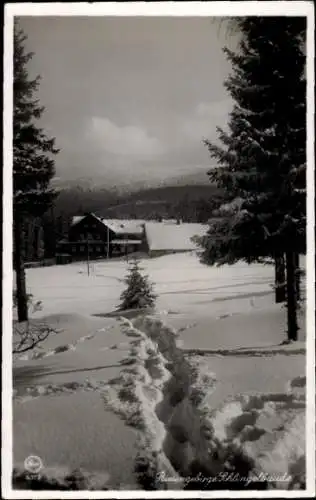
{"points": [[241, 439]]}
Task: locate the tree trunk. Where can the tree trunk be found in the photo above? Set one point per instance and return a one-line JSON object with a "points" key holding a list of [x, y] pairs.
{"points": [[21, 297], [39, 242], [280, 288], [291, 297], [28, 240], [297, 276]]}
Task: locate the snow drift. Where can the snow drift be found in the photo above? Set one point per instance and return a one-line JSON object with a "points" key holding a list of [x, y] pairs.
{"points": [[253, 441]]}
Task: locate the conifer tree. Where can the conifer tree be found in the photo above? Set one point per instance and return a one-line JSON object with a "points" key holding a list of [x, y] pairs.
{"points": [[261, 159], [139, 292], [33, 164]]}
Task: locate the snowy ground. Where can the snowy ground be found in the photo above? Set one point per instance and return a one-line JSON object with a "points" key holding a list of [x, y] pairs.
{"points": [[59, 413], [180, 280], [60, 393], [219, 300]]}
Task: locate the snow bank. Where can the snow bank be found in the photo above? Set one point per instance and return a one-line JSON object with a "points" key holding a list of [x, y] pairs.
{"points": [[134, 396], [269, 431], [246, 437], [189, 433]]}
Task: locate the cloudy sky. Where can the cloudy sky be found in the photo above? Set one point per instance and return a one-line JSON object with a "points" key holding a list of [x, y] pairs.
{"points": [[130, 99]]}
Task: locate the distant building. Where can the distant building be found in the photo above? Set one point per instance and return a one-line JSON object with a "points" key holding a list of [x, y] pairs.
{"points": [[95, 237]]}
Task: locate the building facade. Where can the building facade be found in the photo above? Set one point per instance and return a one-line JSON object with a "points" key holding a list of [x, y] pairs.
{"points": [[93, 237]]}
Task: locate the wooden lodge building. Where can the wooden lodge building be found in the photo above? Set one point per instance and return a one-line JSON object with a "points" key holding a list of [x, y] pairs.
{"points": [[91, 236]]}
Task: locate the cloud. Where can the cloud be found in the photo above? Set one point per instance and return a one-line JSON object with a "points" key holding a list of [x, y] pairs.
{"points": [[206, 117], [123, 141]]}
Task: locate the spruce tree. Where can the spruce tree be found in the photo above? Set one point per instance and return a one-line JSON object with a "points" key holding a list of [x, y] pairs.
{"points": [[33, 164], [139, 292], [261, 158]]}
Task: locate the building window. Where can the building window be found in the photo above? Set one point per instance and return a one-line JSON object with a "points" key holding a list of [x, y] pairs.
{"points": [[98, 248], [82, 248], [74, 248]]}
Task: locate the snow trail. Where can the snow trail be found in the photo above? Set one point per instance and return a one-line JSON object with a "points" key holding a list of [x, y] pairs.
{"points": [[166, 396]]}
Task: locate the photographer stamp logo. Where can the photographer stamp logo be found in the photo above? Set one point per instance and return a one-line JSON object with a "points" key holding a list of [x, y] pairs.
{"points": [[33, 464]]}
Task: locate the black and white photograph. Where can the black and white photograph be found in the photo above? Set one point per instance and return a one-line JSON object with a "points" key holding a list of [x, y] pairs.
{"points": [[158, 245]]}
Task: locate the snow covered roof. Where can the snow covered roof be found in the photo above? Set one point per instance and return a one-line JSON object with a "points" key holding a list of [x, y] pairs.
{"points": [[76, 219], [118, 226], [170, 236], [126, 242]]}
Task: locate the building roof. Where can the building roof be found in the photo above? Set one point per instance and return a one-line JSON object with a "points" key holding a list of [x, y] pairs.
{"points": [[118, 226], [126, 242], [76, 219], [169, 236]]}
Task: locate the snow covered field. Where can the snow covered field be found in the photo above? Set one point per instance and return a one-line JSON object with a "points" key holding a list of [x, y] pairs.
{"points": [[211, 309], [180, 280]]}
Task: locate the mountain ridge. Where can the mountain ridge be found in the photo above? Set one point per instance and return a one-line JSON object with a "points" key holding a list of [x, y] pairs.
{"points": [[92, 183]]}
